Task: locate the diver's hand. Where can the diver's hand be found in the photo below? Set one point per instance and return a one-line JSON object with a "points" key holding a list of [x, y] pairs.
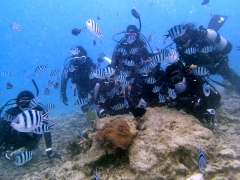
{"points": [[51, 154]]}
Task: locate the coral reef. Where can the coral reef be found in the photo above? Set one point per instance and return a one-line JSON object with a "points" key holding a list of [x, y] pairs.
{"points": [[115, 136]]}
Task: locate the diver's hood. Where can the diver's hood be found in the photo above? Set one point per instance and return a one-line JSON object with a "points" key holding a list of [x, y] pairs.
{"points": [[133, 28], [26, 95], [82, 52]]}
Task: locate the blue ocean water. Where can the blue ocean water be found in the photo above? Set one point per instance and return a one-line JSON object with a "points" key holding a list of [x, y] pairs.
{"points": [[46, 36]]}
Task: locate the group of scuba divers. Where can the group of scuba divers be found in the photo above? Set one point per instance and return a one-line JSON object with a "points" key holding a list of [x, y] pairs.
{"points": [[135, 79]]}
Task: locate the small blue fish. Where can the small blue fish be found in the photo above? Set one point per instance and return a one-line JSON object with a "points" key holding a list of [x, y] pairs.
{"points": [[15, 26], [201, 160], [206, 89], [126, 104], [205, 2], [96, 175]]}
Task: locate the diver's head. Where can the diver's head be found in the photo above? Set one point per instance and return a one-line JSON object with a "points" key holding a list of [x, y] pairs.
{"points": [[76, 31], [131, 34], [80, 55], [24, 98], [182, 34]]}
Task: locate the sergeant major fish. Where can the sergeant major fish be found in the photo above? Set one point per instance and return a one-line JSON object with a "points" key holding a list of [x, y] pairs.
{"points": [[42, 129], [23, 158], [93, 28], [201, 160], [28, 120], [15, 26], [40, 68]]}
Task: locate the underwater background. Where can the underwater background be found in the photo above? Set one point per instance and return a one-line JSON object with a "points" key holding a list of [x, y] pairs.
{"points": [[46, 39]]}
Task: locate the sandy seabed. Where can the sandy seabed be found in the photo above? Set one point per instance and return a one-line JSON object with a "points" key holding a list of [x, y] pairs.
{"points": [[223, 163]]}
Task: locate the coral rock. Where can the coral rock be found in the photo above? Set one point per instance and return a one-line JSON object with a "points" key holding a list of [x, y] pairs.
{"points": [[115, 136]]}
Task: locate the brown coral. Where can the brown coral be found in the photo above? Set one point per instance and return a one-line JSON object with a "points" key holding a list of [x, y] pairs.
{"points": [[115, 136]]}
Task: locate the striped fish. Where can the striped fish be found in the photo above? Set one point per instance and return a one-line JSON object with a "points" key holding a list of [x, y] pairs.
{"points": [[8, 117], [111, 93], [109, 71], [96, 175], [144, 70], [15, 26], [133, 51], [177, 31], [150, 80], [40, 68], [161, 98], [99, 73], [28, 120], [159, 57], [50, 106], [129, 62], [91, 76], [200, 71], [23, 158], [206, 49], [156, 89], [206, 89], [153, 64], [164, 52], [201, 160], [118, 106], [8, 74], [34, 102], [191, 50], [102, 99], [124, 83], [93, 28], [54, 72], [80, 102], [122, 50], [120, 78], [172, 94], [151, 36], [42, 129]]}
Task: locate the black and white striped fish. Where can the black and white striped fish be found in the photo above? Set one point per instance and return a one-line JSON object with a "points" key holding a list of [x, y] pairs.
{"points": [[159, 57], [50, 106], [102, 99], [191, 50], [172, 94], [15, 26], [8, 74], [156, 89], [109, 71], [151, 36], [161, 98], [8, 117], [91, 76], [98, 73], [128, 62], [124, 83], [144, 70], [23, 158], [34, 102], [80, 102], [120, 78], [111, 93], [54, 72], [200, 71], [201, 160], [94, 28], [206, 49], [150, 80], [133, 51], [42, 129], [164, 52], [118, 106], [177, 31], [153, 64], [122, 50], [28, 120], [40, 68]]}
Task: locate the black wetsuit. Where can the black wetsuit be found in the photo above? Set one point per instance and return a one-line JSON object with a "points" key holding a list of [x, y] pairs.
{"points": [[11, 139], [216, 62], [80, 77]]}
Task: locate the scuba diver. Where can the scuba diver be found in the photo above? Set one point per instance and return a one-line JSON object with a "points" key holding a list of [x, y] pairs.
{"points": [[129, 56], [78, 69], [189, 92], [201, 47], [18, 145]]}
